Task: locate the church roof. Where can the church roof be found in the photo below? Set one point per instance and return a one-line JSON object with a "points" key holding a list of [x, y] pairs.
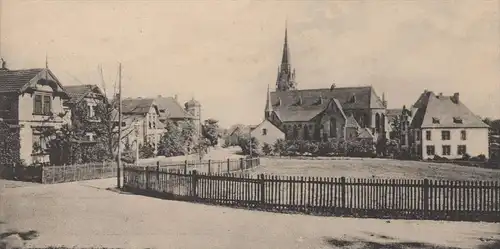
{"points": [[438, 111], [287, 107], [351, 122], [363, 97]]}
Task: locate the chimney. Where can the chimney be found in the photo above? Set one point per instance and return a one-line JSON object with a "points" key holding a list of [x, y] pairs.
{"points": [[175, 97], [440, 95], [456, 98]]}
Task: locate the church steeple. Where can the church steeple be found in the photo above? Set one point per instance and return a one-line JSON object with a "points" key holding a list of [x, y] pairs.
{"points": [[286, 76], [269, 104]]}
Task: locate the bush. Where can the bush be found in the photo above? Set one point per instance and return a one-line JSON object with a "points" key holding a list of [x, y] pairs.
{"points": [[244, 143], [146, 151], [266, 149], [279, 147]]}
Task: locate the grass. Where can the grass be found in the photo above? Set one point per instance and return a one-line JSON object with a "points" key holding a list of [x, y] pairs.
{"points": [[374, 168]]}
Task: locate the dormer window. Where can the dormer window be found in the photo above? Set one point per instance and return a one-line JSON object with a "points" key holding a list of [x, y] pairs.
{"points": [[352, 99], [457, 120], [435, 120], [278, 102]]}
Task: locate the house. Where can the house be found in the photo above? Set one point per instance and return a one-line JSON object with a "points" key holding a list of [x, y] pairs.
{"points": [[83, 103], [266, 133], [238, 131], [443, 126], [321, 114], [31, 101], [142, 124]]}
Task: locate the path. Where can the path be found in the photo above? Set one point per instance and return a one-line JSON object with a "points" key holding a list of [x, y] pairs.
{"points": [[85, 214]]}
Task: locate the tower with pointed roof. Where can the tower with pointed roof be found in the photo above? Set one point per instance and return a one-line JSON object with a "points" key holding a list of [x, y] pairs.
{"points": [[286, 75]]}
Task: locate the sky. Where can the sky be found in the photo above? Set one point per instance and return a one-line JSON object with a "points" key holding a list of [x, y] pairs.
{"points": [[226, 53]]}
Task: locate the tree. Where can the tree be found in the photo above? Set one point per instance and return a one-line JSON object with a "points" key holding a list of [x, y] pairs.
{"points": [[210, 130], [279, 147], [146, 150], [172, 142], [246, 146], [266, 149], [9, 145], [396, 127]]}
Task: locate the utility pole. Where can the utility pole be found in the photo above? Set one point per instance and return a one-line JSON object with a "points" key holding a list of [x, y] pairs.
{"points": [[118, 165], [250, 139]]}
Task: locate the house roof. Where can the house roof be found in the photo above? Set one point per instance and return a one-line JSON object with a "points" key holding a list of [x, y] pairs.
{"points": [[303, 105], [433, 107], [18, 80], [137, 106], [78, 92], [172, 108]]}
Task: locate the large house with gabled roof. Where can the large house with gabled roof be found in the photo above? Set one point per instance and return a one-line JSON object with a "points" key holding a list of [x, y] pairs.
{"points": [[443, 126], [322, 114], [31, 100]]}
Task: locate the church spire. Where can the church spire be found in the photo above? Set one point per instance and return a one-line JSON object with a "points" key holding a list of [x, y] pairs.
{"points": [[286, 76], [269, 104]]}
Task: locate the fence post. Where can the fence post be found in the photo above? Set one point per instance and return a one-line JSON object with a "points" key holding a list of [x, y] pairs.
{"points": [[343, 195], [425, 189], [209, 166], [194, 182], [147, 178], [185, 166], [262, 190], [41, 175], [241, 164], [158, 171], [228, 170]]}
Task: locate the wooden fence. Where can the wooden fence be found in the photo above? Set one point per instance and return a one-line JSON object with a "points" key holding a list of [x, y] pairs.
{"points": [[78, 172], [213, 166], [376, 198]]}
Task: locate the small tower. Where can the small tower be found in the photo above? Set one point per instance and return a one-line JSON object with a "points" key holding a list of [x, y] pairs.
{"points": [[193, 107], [4, 65], [286, 75]]}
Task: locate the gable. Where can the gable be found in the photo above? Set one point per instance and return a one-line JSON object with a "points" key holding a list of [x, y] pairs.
{"points": [[266, 125]]}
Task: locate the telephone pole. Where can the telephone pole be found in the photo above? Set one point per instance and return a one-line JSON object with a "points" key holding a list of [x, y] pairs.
{"points": [[118, 165]]}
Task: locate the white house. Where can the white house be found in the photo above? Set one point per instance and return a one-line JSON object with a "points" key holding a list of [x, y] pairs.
{"points": [[267, 133], [31, 100], [444, 126]]}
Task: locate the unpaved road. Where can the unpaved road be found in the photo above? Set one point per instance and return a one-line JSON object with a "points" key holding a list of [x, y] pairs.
{"points": [[85, 214]]}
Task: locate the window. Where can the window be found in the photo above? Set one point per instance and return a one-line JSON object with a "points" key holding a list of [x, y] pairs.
{"points": [[435, 120], [42, 104], [37, 104], [461, 150], [264, 132], [446, 150], [428, 135], [430, 150], [445, 135], [47, 105], [417, 135], [39, 143], [463, 135], [457, 120]]}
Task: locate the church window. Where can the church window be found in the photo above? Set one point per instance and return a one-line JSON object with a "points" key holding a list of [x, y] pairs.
{"points": [[264, 132], [295, 132], [306, 132], [333, 127]]}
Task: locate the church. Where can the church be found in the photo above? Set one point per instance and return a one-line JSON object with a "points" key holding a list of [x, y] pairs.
{"points": [[324, 113]]}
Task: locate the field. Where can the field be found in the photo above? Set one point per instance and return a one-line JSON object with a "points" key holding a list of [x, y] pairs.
{"points": [[374, 168]]}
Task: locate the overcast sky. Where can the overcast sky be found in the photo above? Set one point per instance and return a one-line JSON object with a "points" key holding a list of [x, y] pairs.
{"points": [[225, 53]]}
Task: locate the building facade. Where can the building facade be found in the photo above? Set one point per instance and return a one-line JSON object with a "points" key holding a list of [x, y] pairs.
{"points": [[31, 100], [443, 126], [266, 133]]}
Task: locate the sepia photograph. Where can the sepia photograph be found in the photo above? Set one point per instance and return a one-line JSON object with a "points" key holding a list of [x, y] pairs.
{"points": [[307, 124]]}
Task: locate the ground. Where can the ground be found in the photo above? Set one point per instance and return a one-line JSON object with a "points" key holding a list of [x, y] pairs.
{"points": [[375, 168], [213, 154], [85, 214]]}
